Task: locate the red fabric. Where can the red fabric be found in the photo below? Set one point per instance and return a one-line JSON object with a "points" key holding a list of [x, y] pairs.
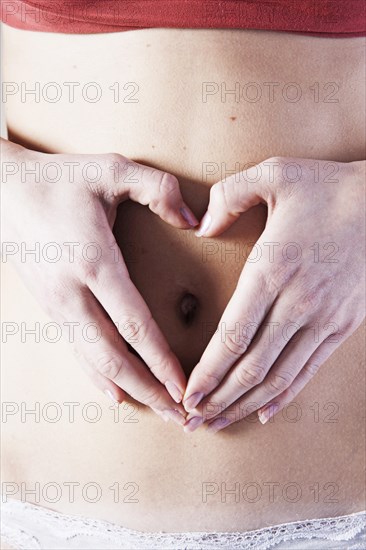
{"points": [[332, 18]]}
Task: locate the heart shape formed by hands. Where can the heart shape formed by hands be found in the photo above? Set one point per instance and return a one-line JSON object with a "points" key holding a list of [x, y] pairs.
{"points": [[304, 284]]}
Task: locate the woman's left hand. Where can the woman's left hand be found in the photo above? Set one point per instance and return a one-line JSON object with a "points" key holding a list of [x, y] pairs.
{"points": [[301, 292]]}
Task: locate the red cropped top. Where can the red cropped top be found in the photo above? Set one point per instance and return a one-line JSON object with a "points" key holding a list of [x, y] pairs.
{"points": [[330, 18]]}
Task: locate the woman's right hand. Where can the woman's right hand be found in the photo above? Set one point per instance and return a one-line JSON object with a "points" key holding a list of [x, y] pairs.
{"points": [[64, 207]]}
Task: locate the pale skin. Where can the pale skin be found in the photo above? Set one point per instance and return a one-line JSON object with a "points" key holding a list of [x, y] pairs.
{"points": [[243, 369], [325, 443], [273, 293], [82, 291]]}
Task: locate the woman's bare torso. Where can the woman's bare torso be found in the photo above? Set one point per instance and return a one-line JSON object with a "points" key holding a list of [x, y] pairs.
{"points": [[166, 101]]}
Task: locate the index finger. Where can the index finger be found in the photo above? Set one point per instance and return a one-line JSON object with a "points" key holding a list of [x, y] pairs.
{"points": [[112, 286], [109, 362], [243, 315]]}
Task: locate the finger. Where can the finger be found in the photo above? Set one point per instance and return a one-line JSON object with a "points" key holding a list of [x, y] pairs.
{"points": [[119, 297], [255, 368], [231, 197], [111, 390], [104, 349], [256, 365], [238, 325], [155, 188], [258, 289], [246, 406], [280, 377], [318, 358]]}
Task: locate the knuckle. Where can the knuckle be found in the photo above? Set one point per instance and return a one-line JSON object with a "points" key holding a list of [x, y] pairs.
{"points": [[279, 382], [220, 193], [209, 379], [109, 365], [236, 344], [167, 184], [116, 158], [161, 367], [289, 394], [310, 369], [250, 375], [272, 167], [90, 272], [150, 397], [278, 275], [116, 177], [309, 301], [132, 328], [279, 171], [117, 161]]}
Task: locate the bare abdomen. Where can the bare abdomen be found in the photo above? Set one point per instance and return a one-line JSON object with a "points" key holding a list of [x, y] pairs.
{"points": [[309, 461]]}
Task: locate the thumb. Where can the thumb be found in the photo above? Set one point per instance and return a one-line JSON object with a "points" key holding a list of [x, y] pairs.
{"points": [[155, 188], [228, 199]]}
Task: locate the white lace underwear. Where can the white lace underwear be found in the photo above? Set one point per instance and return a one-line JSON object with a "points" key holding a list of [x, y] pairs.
{"points": [[28, 527]]}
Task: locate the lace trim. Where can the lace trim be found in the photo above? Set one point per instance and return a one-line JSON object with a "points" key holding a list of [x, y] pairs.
{"points": [[29, 527]]}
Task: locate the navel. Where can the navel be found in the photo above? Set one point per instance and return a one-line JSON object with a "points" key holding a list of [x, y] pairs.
{"points": [[187, 308]]}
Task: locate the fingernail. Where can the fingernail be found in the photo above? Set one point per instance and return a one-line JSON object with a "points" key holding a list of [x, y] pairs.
{"points": [[188, 216], [204, 225], [218, 424], [174, 391], [267, 412], [175, 415], [111, 396], [193, 400], [193, 424]]}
